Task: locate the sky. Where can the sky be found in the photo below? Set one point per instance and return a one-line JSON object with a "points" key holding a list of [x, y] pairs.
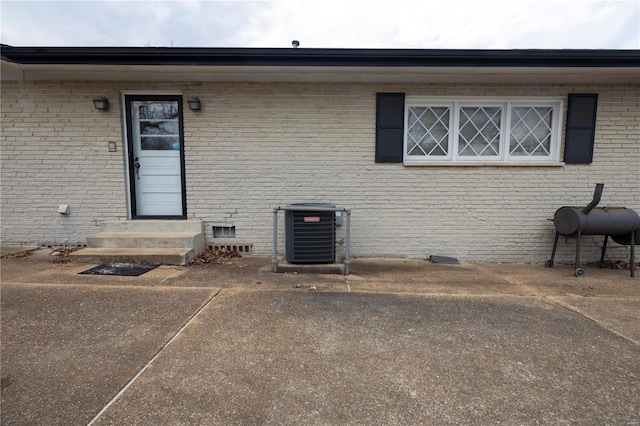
{"points": [[425, 24]]}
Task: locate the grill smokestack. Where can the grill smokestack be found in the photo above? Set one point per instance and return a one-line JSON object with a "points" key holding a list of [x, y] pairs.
{"points": [[596, 198]]}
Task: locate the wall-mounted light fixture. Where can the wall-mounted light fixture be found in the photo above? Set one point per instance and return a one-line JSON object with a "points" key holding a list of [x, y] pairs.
{"points": [[194, 104], [101, 103]]}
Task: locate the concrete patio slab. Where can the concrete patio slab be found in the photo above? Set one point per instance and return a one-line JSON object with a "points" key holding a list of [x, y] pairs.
{"points": [[70, 274], [7, 250], [621, 316], [560, 280], [67, 349], [398, 341], [326, 358]]}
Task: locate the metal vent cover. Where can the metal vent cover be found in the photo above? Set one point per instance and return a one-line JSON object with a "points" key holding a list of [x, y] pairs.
{"points": [[310, 235]]}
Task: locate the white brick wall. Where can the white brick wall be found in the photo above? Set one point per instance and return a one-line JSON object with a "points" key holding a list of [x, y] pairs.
{"points": [[54, 151], [255, 146]]}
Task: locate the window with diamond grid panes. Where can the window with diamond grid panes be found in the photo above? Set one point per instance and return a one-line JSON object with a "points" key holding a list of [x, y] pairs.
{"points": [[428, 131], [484, 130], [531, 129], [479, 131]]}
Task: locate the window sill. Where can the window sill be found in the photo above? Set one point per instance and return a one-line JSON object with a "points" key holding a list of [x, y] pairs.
{"points": [[485, 163]]}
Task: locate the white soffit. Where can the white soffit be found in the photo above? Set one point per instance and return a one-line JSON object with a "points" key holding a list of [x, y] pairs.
{"points": [[521, 75]]}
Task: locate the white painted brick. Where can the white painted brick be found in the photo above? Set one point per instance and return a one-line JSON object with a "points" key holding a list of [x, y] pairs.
{"points": [[256, 146]]}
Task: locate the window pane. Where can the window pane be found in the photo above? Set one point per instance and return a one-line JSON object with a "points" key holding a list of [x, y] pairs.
{"points": [[158, 111], [157, 124], [530, 131], [428, 131], [159, 128], [159, 143], [479, 133]]}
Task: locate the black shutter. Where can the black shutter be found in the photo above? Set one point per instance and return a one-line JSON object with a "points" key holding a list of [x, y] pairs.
{"points": [[581, 128], [389, 127]]}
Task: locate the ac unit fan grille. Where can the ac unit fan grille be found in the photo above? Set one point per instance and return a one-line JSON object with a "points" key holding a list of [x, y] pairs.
{"points": [[311, 236]]}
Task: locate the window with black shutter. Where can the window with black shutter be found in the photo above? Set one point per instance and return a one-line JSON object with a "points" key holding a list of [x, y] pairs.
{"points": [[389, 127], [474, 131], [581, 126]]}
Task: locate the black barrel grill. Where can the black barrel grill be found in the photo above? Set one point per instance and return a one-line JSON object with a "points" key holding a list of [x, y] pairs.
{"points": [[619, 223]]}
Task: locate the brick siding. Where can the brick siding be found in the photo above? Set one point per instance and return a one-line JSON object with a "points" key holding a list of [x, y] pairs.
{"points": [[254, 146]]}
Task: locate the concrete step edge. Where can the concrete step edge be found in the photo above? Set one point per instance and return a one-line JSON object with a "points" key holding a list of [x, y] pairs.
{"points": [[147, 240], [152, 226], [145, 234], [163, 256]]}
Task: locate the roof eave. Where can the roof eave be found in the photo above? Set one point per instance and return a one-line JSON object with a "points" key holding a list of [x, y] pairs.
{"points": [[321, 57], [320, 65]]}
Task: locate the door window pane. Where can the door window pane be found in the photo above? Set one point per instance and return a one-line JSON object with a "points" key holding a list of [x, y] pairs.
{"points": [[158, 125], [158, 143], [159, 128], [158, 110]]}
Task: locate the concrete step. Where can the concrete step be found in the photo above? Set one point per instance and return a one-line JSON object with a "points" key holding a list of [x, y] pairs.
{"points": [[151, 226], [146, 240], [167, 242], [143, 256]]}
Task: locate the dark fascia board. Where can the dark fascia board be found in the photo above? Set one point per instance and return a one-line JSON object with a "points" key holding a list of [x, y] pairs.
{"points": [[319, 57]]}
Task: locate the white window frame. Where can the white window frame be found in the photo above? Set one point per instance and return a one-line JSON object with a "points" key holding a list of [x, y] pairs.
{"points": [[504, 157]]}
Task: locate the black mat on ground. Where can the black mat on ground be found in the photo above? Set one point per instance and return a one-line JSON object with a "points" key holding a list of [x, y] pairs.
{"points": [[121, 269]]}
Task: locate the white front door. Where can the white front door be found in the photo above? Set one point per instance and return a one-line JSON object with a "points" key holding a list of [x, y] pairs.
{"points": [[156, 156]]}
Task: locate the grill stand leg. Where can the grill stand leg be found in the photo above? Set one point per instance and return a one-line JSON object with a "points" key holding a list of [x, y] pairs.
{"points": [[274, 254], [604, 250], [632, 262], [347, 257], [579, 271], [549, 263]]}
